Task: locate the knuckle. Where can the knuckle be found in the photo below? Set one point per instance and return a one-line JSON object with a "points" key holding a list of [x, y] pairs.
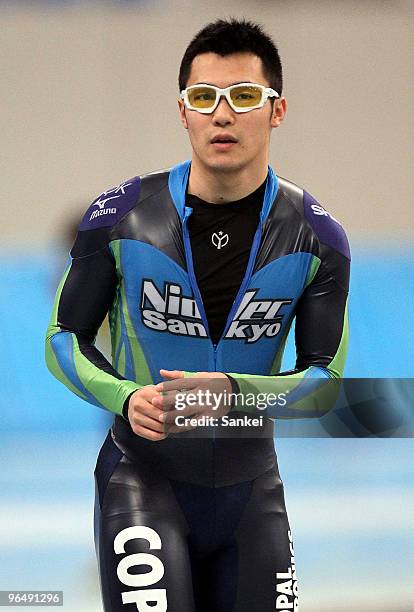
{"points": [[135, 418], [157, 436]]}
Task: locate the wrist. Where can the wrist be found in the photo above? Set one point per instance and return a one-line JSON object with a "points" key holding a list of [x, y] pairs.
{"points": [[125, 407]]}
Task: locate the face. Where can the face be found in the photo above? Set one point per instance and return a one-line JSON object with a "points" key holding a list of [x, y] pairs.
{"points": [[250, 131]]}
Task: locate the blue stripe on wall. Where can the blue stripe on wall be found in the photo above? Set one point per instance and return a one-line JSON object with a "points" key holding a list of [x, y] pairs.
{"points": [[381, 337]]}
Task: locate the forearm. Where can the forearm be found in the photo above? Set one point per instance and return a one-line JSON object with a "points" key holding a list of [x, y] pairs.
{"points": [[310, 391], [82, 300], [306, 394], [74, 360], [100, 386]]}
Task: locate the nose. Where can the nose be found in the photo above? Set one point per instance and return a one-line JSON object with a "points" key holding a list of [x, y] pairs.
{"points": [[224, 114]]}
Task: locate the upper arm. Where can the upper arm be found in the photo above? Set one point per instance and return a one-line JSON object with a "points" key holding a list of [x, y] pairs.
{"points": [[321, 330], [85, 294], [90, 284]]}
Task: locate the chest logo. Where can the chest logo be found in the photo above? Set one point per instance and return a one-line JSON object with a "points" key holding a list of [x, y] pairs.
{"points": [[255, 319], [170, 311], [219, 239]]}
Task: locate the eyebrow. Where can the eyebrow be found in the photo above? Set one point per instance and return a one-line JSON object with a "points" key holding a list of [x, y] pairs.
{"points": [[213, 85]]}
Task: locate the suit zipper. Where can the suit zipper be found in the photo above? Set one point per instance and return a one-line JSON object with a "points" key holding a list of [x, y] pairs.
{"points": [[244, 283], [196, 290]]}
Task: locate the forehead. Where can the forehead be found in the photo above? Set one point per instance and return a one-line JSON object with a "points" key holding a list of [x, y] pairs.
{"points": [[222, 71]]}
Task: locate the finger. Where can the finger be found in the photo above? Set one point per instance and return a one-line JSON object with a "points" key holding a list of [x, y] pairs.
{"points": [[148, 409], [171, 374], [148, 423], [170, 400], [193, 411], [150, 434], [142, 396], [177, 385], [178, 400], [147, 393]]}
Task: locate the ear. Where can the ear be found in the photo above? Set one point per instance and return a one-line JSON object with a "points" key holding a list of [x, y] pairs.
{"points": [[183, 118], [278, 112]]}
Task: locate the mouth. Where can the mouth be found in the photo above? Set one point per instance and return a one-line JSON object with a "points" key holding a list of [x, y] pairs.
{"points": [[223, 142], [224, 138]]}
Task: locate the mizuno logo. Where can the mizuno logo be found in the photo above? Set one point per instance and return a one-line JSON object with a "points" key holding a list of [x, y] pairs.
{"points": [[101, 201]]}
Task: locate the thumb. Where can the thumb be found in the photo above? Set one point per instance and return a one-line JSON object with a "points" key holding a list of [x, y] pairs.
{"points": [[172, 374]]}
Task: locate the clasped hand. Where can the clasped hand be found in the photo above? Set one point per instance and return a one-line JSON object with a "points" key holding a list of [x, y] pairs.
{"points": [[205, 394], [153, 410]]}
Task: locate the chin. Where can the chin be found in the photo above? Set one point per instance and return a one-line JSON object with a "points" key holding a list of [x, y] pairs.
{"points": [[225, 165]]}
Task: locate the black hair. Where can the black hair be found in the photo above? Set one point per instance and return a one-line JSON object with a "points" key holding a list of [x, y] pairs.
{"points": [[226, 37]]}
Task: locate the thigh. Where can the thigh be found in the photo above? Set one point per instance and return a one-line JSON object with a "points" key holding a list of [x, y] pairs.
{"points": [[266, 573], [213, 515], [241, 549], [140, 538]]}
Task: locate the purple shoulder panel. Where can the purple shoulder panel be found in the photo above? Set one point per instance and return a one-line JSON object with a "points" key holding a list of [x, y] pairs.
{"points": [[112, 205], [326, 227]]}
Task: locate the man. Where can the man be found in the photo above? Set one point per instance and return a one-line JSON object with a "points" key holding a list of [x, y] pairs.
{"points": [[202, 269]]}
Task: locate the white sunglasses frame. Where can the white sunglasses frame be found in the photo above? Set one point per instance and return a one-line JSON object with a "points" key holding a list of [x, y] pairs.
{"points": [[267, 92]]}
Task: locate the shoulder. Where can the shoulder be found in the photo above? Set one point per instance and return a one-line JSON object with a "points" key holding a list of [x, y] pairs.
{"points": [[111, 205], [105, 211], [114, 203], [327, 229]]}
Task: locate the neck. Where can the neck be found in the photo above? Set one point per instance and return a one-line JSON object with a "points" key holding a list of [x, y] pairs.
{"points": [[219, 187]]}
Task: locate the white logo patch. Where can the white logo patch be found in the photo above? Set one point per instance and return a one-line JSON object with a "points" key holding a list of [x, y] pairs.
{"points": [[171, 311], [257, 318], [141, 597], [219, 240], [287, 585], [319, 210], [101, 201]]}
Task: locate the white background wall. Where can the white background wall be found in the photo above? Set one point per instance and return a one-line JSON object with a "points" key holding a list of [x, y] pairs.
{"points": [[76, 117]]}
